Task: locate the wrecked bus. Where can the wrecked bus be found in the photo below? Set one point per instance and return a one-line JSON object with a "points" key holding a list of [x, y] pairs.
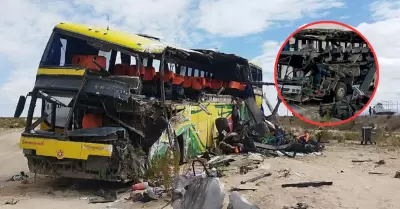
{"points": [[106, 102], [325, 65]]}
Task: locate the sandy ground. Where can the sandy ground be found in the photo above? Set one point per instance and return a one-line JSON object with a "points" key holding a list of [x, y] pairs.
{"points": [[352, 186], [310, 111]]}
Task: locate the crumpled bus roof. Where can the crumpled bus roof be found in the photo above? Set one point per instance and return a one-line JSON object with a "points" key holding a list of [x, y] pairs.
{"points": [[141, 43], [137, 42], [340, 35]]}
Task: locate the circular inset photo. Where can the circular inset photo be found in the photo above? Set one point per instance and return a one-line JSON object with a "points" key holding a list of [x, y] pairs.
{"points": [[326, 73]]}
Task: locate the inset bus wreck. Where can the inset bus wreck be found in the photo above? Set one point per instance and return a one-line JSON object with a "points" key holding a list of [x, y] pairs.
{"points": [[106, 111], [334, 67]]}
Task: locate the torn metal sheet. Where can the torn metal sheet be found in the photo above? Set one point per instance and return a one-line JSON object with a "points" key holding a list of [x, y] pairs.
{"points": [[237, 201], [98, 132], [199, 193]]}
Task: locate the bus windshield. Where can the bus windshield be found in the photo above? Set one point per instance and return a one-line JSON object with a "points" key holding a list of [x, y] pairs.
{"points": [[61, 49]]}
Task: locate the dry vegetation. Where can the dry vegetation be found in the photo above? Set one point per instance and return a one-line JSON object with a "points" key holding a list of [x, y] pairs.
{"points": [[387, 132], [163, 168], [12, 122], [390, 123]]}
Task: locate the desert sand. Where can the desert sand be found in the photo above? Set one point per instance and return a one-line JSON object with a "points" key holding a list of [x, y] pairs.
{"points": [[353, 187]]}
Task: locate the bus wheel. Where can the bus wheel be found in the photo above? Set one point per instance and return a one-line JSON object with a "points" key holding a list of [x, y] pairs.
{"points": [[340, 92]]}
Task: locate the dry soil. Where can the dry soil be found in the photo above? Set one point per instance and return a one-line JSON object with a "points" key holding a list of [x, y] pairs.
{"points": [[353, 186]]}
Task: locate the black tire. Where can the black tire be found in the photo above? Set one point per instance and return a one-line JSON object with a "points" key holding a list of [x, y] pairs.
{"points": [[222, 124], [340, 92]]}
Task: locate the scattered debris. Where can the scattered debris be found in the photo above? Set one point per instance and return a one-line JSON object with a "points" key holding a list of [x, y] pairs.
{"points": [[140, 186], [298, 206], [237, 201], [19, 177], [154, 193], [135, 197], [397, 175], [243, 188], [255, 157], [197, 192], [11, 202], [380, 162], [220, 161], [284, 173], [244, 169], [256, 178], [376, 173], [104, 197], [361, 161], [309, 184], [215, 173]]}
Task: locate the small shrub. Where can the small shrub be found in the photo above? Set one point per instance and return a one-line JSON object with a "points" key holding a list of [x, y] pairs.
{"points": [[12, 122], [340, 139], [163, 168], [352, 136], [324, 135]]}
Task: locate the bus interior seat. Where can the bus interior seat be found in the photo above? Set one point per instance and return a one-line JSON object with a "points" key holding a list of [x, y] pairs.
{"points": [[168, 78], [193, 86], [177, 86], [120, 69], [235, 88], [208, 83], [365, 49], [86, 61], [216, 84], [90, 120], [187, 82], [198, 83], [149, 82], [76, 59], [133, 71], [149, 74], [337, 53], [356, 50]]}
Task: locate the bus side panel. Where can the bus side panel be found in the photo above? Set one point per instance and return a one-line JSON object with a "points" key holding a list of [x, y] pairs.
{"points": [[64, 149]]}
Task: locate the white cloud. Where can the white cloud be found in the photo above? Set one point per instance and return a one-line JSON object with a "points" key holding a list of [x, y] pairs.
{"points": [[267, 62], [382, 35], [26, 25], [344, 17], [385, 9], [243, 17]]}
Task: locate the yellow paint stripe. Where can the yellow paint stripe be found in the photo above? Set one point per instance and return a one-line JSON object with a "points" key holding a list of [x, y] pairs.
{"points": [[58, 71], [71, 150], [121, 38]]}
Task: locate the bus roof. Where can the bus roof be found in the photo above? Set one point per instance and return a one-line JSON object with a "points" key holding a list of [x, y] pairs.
{"points": [[137, 42], [340, 35], [147, 44]]}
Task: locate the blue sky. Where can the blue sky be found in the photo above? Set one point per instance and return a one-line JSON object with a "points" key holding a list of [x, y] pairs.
{"points": [[251, 28]]}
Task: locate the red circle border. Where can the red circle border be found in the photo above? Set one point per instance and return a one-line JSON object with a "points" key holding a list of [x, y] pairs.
{"points": [[308, 120]]}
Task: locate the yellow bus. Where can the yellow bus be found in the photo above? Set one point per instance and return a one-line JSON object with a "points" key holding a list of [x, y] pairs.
{"points": [[109, 101]]}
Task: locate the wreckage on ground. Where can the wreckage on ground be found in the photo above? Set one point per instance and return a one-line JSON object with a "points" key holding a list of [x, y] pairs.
{"points": [[110, 101], [332, 66]]}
